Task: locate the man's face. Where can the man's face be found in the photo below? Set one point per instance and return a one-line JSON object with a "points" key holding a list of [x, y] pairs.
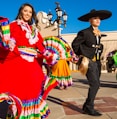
{"points": [[95, 21]]}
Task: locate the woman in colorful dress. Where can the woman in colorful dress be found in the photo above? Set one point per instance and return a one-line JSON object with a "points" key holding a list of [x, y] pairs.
{"points": [[21, 76], [61, 71]]}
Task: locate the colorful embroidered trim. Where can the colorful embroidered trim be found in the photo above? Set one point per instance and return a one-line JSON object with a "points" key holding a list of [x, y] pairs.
{"points": [[58, 46], [34, 109], [31, 31], [27, 51], [5, 29]]}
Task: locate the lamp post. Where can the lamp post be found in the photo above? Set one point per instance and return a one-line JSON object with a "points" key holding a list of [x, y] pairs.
{"points": [[61, 17]]}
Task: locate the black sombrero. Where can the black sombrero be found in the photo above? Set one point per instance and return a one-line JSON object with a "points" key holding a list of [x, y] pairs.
{"points": [[103, 14]]}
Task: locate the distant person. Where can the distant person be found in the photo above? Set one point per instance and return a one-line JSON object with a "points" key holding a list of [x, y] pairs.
{"points": [[115, 62], [21, 75], [114, 57], [87, 45]]}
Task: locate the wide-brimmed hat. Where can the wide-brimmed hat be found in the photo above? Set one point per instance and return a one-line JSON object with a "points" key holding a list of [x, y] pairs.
{"points": [[103, 14]]}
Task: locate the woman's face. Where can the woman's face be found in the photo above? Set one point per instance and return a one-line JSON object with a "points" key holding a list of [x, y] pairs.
{"points": [[26, 13], [95, 21]]}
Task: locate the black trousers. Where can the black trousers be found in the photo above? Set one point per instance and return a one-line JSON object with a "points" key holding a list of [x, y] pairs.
{"points": [[93, 75]]}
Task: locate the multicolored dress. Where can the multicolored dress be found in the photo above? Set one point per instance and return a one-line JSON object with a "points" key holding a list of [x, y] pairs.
{"points": [[60, 71], [21, 75]]}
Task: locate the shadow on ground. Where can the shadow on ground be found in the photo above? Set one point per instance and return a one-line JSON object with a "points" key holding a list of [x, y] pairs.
{"points": [[108, 84], [65, 104]]}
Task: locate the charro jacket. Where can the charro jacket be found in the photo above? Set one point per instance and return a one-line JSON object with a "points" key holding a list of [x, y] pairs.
{"points": [[85, 42]]}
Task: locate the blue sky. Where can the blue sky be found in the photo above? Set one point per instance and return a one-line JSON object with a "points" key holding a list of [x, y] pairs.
{"points": [[74, 9]]}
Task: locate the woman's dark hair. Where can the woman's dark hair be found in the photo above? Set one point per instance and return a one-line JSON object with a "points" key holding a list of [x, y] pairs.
{"points": [[33, 19]]}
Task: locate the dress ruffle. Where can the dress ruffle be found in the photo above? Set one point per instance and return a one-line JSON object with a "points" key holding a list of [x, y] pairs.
{"points": [[34, 109], [26, 109], [61, 73], [63, 81]]}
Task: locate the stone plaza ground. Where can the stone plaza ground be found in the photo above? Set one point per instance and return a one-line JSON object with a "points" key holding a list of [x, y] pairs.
{"points": [[67, 104]]}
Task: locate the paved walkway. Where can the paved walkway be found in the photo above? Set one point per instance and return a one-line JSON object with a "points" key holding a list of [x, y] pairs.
{"points": [[67, 104]]}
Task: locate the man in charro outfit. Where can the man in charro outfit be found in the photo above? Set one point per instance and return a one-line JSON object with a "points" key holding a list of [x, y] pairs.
{"points": [[87, 44]]}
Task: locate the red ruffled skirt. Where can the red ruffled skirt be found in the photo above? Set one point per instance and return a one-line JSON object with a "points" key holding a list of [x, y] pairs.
{"points": [[24, 80]]}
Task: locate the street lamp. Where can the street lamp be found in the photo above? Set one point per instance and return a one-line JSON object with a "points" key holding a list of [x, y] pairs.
{"points": [[61, 17]]}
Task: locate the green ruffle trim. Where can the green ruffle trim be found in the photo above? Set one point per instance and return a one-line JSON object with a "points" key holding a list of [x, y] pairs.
{"points": [[67, 78]]}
